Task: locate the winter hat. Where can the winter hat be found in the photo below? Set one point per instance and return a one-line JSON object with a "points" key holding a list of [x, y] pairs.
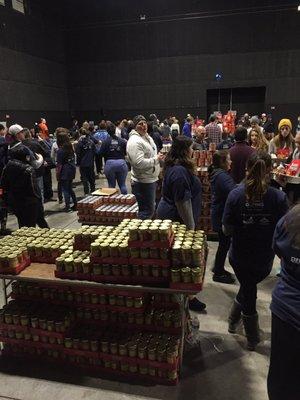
{"points": [[254, 120], [15, 129], [284, 122], [138, 119]]}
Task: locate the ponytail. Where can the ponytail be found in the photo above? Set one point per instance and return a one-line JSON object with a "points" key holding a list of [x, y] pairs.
{"points": [[256, 180]]}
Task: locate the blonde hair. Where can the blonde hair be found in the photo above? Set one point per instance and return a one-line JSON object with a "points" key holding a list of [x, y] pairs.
{"points": [[262, 143]]}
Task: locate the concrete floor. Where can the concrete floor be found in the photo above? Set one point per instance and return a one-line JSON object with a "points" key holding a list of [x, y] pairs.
{"points": [[220, 369]]}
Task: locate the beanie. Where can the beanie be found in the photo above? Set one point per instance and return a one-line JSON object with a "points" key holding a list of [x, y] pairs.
{"points": [[254, 120], [138, 119], [15, 129], [283, 122]]}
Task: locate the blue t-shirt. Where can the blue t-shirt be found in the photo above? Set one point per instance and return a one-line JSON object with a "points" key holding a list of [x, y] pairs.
{"points": [[179, 185], [221, 185], [187, 130], [113, 148], [286, 295], [253, 226]]}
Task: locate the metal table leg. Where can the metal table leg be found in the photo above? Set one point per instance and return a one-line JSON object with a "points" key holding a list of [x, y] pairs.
{"points": [[183, 307]]}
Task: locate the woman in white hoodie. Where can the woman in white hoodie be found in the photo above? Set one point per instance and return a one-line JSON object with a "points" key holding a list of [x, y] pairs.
{"points": [[144, 160]]}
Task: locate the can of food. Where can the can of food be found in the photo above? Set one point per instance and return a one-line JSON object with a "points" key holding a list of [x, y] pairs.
{"points": [[123, 349], [186, 275], [86, 266], [135, 253], [97, 269], [69, 267], [197, 275], [175, 275], [154, 253], [104, 248], [106, 269], [95, 250]]}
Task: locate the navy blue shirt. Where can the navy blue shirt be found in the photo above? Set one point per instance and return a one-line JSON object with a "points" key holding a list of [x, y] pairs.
{"points": [[253, 226], [179, 185], [113, 148], [86, 151], [65, 165], [226, 144], [221, 185], [286, 295]]}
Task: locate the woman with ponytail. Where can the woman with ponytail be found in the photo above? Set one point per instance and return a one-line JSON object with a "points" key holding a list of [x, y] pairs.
{"points": [[251, 213]]}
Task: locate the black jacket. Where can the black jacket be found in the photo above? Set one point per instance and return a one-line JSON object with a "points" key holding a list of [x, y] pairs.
{"points": [[3, 154], [19, 182], [36, 147]]}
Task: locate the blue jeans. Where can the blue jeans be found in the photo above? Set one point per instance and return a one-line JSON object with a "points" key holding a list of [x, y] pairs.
{"points": [[68, 192], [116, 170], [88, 179], [145, 196]]}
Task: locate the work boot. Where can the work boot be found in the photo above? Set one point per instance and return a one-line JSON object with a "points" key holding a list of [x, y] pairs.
{"points": [[234, 316], [252, 330]]}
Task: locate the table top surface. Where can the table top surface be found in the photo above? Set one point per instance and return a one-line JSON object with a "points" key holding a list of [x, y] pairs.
{"points": [[44, 273]]}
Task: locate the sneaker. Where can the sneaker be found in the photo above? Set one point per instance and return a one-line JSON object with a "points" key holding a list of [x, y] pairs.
{"points": [[196, 305], [74, 208], [225, 277], [68, 210]]}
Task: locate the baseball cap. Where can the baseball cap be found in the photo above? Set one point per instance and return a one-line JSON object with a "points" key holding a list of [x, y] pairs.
{"points": [[15, 129]]}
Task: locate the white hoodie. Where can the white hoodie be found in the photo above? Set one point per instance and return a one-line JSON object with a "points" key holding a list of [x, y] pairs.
{"points": [[142, 155]]}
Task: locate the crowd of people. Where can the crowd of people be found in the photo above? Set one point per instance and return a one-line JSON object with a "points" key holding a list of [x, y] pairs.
{"points": [[247, 205]]}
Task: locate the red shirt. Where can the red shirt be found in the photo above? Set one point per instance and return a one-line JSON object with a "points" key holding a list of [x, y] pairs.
{"points": [[44, 130]]}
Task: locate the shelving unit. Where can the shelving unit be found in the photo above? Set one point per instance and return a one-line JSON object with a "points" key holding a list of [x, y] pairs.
{"points": [[100, 363]]}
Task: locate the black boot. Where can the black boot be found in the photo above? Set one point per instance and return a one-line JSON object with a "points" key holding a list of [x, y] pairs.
{"points": [[234, 316], [252, 330]]}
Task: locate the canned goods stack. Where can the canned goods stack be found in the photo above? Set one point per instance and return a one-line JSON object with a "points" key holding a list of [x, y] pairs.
{"points": [[35, 322], [86, 235], [203, 158], [45, 245], [130, 333], [13, 255], [205, 219], [189, 253], [107, 209]]}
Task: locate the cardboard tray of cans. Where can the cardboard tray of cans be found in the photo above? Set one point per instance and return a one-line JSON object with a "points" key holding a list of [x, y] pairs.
{"points": [[134, 327], [130, 261], [103, 307], [33, 331], [92, 370], [156, 244], [17, 270], [125, 359]]}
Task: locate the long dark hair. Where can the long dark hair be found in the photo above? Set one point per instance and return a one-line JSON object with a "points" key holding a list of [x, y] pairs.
{"points": [[64, 143], [111, 129], [256, 181], [179, 154], [218, 161]]}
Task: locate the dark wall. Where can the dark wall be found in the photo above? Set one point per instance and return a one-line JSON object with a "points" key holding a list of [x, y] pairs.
{"points": [[119, 65], [32, 67]]}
